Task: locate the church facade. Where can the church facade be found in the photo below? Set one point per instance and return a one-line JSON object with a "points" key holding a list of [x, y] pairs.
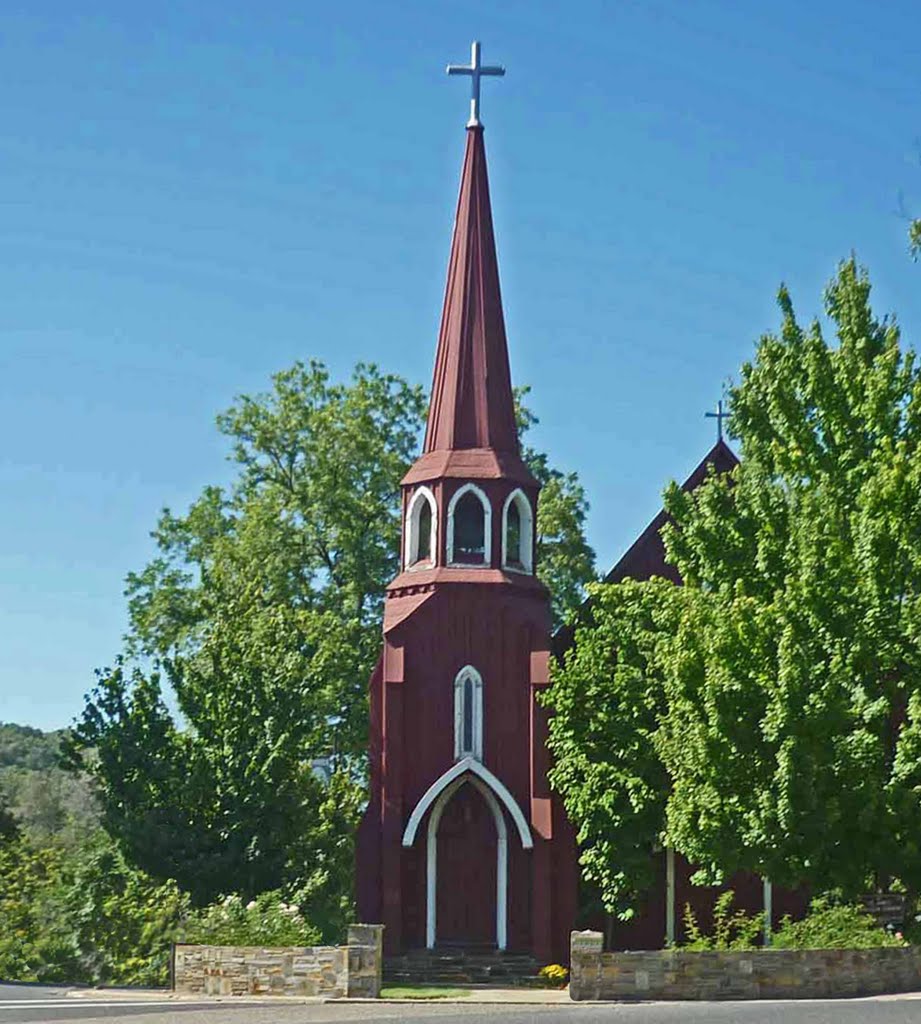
{"points": [[462, 842]]}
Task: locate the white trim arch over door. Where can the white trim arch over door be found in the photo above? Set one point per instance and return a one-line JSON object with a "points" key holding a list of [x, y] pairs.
{"points": [[431, 860], [468, 764]]}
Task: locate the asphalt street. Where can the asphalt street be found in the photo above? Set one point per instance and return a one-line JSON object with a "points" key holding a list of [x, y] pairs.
{"points": [[30, 1004]]}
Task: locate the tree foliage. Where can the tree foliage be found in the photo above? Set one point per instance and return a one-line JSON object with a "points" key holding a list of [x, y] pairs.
{"points": [[607, 703], [784, 673], [261, 612]]}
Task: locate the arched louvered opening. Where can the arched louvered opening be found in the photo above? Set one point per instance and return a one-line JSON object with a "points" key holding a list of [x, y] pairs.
{"points": [[517, 533], [420, 530], [469, 519]]}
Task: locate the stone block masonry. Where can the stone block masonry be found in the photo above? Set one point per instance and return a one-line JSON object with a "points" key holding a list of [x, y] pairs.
{"points": [[353, 970], [750, 974]]}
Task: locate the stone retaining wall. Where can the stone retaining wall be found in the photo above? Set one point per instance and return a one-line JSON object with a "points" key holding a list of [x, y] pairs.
{"points": [[755, 974], [353, 970]]}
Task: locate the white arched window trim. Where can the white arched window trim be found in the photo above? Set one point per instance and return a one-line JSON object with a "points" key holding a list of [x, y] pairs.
{"points": [[411, 546], [526, 517], [468, 672], [487, 526]]}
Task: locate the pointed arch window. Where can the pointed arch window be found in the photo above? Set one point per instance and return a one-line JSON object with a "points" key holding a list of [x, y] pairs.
{"points": [[420, 530], [468, 714], [517, 533], [469, 527]]}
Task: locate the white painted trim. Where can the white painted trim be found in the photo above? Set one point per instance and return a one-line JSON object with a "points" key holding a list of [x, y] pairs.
{"points": [[487, 527], [768, 894], [468, 764], [670, 896], [410, 533], [526, 515], [431, 858], [468, 672]]}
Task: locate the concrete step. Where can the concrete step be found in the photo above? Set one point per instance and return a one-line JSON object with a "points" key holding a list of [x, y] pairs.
{"points": [[454, 966]]}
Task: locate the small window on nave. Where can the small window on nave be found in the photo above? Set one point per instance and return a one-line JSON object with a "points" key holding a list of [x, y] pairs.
{"points": [[469, 530]]}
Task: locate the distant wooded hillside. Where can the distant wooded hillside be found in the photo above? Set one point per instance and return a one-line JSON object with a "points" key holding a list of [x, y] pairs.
{"points": [[21, 746], [45, 801]]}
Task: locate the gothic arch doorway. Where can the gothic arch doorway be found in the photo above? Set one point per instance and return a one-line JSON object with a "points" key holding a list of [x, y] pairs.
{"points": [[467, 867]]}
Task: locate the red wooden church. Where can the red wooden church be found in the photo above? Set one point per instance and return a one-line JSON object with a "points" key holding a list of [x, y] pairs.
{"points": [[462, 843]]}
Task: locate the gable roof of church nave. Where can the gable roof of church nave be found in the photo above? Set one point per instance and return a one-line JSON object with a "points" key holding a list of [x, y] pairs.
{"points": [[645, 557]]}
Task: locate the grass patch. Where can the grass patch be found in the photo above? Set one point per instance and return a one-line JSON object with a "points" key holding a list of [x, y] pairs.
{"points": [[422, 992]]}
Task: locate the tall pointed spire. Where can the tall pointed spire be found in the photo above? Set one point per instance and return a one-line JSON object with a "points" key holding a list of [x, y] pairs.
{"points": [[472, 404]]}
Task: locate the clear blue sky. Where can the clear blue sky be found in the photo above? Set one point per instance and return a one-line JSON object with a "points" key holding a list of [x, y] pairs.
{"points": [[195, 195]]}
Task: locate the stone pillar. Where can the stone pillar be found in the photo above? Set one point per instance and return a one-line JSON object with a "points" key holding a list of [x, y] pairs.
{"points": [[365, 959], [585, 950]]}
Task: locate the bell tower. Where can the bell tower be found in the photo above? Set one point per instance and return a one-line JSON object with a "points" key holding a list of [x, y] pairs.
{"points": [[462, 843]]}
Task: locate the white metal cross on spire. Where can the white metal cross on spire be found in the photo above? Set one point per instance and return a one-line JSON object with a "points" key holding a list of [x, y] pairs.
{"points": [[476, 70]]}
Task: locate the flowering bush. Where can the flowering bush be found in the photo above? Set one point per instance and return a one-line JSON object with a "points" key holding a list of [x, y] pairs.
{"points": [[265, 921], [554, 975]]}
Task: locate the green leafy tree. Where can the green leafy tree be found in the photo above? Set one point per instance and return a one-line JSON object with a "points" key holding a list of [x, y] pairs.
{"points": [[606, 714], [785, 671], [262, 612]]}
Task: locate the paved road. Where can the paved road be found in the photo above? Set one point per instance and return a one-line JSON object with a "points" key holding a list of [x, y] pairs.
{"points": [[30, 1005]]}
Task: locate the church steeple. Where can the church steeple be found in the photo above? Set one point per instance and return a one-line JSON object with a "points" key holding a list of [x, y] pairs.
{"points": [[458, 735], [471, 404], [470, 499]]}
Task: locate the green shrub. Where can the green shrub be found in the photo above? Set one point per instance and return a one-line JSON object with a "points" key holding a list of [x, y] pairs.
{"points": [[85, 915], [35, 942], [833, 926], [731, 929]]}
